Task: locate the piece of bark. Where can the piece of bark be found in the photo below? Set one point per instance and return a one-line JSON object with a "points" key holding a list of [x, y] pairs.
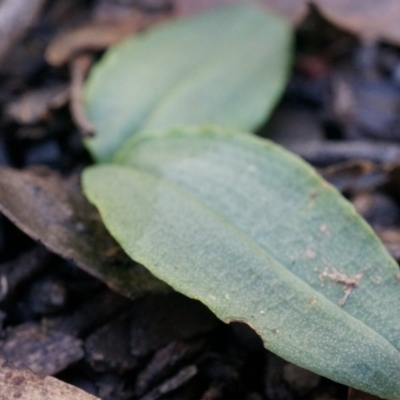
{"points": [[58, 215], [163, 363], [178, 380], [355, 176], [95, 312], [22, 384], [16, 17], [29, 346], [34, 106], [330, 152], [108, 348], [161, 319], [15, 272]]}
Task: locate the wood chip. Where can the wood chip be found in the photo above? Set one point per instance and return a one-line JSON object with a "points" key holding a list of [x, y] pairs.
{"points": [[15, 272], [327, 152], [30, 346], [355, 176], [163, 363], [21, 384], [172, 384], [35, 106]]}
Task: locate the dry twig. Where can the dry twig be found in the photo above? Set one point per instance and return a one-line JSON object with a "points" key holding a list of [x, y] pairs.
{"points": [[79, 68]]}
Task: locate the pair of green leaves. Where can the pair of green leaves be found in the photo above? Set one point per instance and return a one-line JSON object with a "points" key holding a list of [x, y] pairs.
{"points": [[231, 219]]}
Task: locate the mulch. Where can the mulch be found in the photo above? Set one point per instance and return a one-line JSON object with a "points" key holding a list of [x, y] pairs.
{"points": [[339, 112]]}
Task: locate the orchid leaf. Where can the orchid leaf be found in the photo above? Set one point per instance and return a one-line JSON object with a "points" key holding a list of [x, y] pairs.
{"points": [[227, 66], [255, 234]]}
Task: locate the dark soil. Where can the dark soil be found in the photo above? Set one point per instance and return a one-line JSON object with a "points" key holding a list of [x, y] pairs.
{"points": [[340, 112]]}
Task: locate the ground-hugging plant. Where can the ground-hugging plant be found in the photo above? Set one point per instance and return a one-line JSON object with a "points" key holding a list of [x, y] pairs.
{"points": [[234, 220]]}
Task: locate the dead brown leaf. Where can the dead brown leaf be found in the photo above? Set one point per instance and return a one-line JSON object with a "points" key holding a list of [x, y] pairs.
{"points": [[53, 211], [25, 385], [97, 35], [369, 19]]}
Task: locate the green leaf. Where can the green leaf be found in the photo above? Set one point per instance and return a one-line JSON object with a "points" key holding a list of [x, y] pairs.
{"points": [[228, 67], [256, 235]]}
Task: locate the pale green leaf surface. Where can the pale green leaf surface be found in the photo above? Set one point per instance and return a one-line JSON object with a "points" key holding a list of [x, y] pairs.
{"points": [[249, 230], [227, 66]]}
